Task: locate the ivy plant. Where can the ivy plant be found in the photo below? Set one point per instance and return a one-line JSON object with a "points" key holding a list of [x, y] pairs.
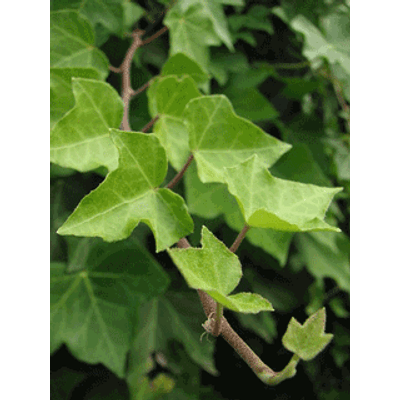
{"points": [[200, 158]]}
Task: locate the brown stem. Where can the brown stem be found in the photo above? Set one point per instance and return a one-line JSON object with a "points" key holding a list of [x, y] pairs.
{"points": [[155, 36], [227, 332], [127, 91], [239, 238], [150, 124], [179, 175], [115, 69]]}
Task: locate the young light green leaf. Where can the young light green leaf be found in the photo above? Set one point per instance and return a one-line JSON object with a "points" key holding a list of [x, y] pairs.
{"points": [[309, 339], [61, 96], [94, 310], [216, 270], [81, 139], [269, 202], [209, 200], [181, 64], [174, 137], [129, 195], [72, 43], [218, 138], [169, 95], [191, 32]]}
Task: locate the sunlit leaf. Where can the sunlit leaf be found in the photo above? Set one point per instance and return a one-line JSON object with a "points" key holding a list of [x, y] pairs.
{"points": [[72, 43], [216, 270], [218, 138], [191, 33], [269, 202], [81, 139], [309, 339], [130, 194], [61, 95]]}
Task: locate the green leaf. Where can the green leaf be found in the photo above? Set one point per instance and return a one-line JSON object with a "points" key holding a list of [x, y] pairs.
{"points": [[317, 45], [215, 13], [173, 316], [174, 137], [222, 62], [191, 33], [81, 139], [274, 203], [299, 165], [107, 13], [132, 14], [61, 96], [130, 195], [72, 43], [309, 339], [106, 16], [251, 104], [94, 309], [216, 270], [256, 19], [209, 200], [168, 97], [180, 64], [218, 138], [326, 255]]}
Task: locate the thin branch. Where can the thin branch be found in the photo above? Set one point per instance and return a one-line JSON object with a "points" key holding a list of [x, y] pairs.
{"points": [[145, 86], [150, 124], [127, 91], [218, 320], [263, 371], [115, 69], [179, 175], [239, 239], [155, 36]]}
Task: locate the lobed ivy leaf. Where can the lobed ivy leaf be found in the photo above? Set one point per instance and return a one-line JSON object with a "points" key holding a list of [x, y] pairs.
{"points": [[269, 202], [72, 43], [181, 64], [130, 194], [309, 339], [217, 271], [168, 97], [81, 139], [333, 48], [106, 16], [215, 13], [191, 33], [61, 95], [172, 316], [218, 138], [209, 200], [94, 309]]}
